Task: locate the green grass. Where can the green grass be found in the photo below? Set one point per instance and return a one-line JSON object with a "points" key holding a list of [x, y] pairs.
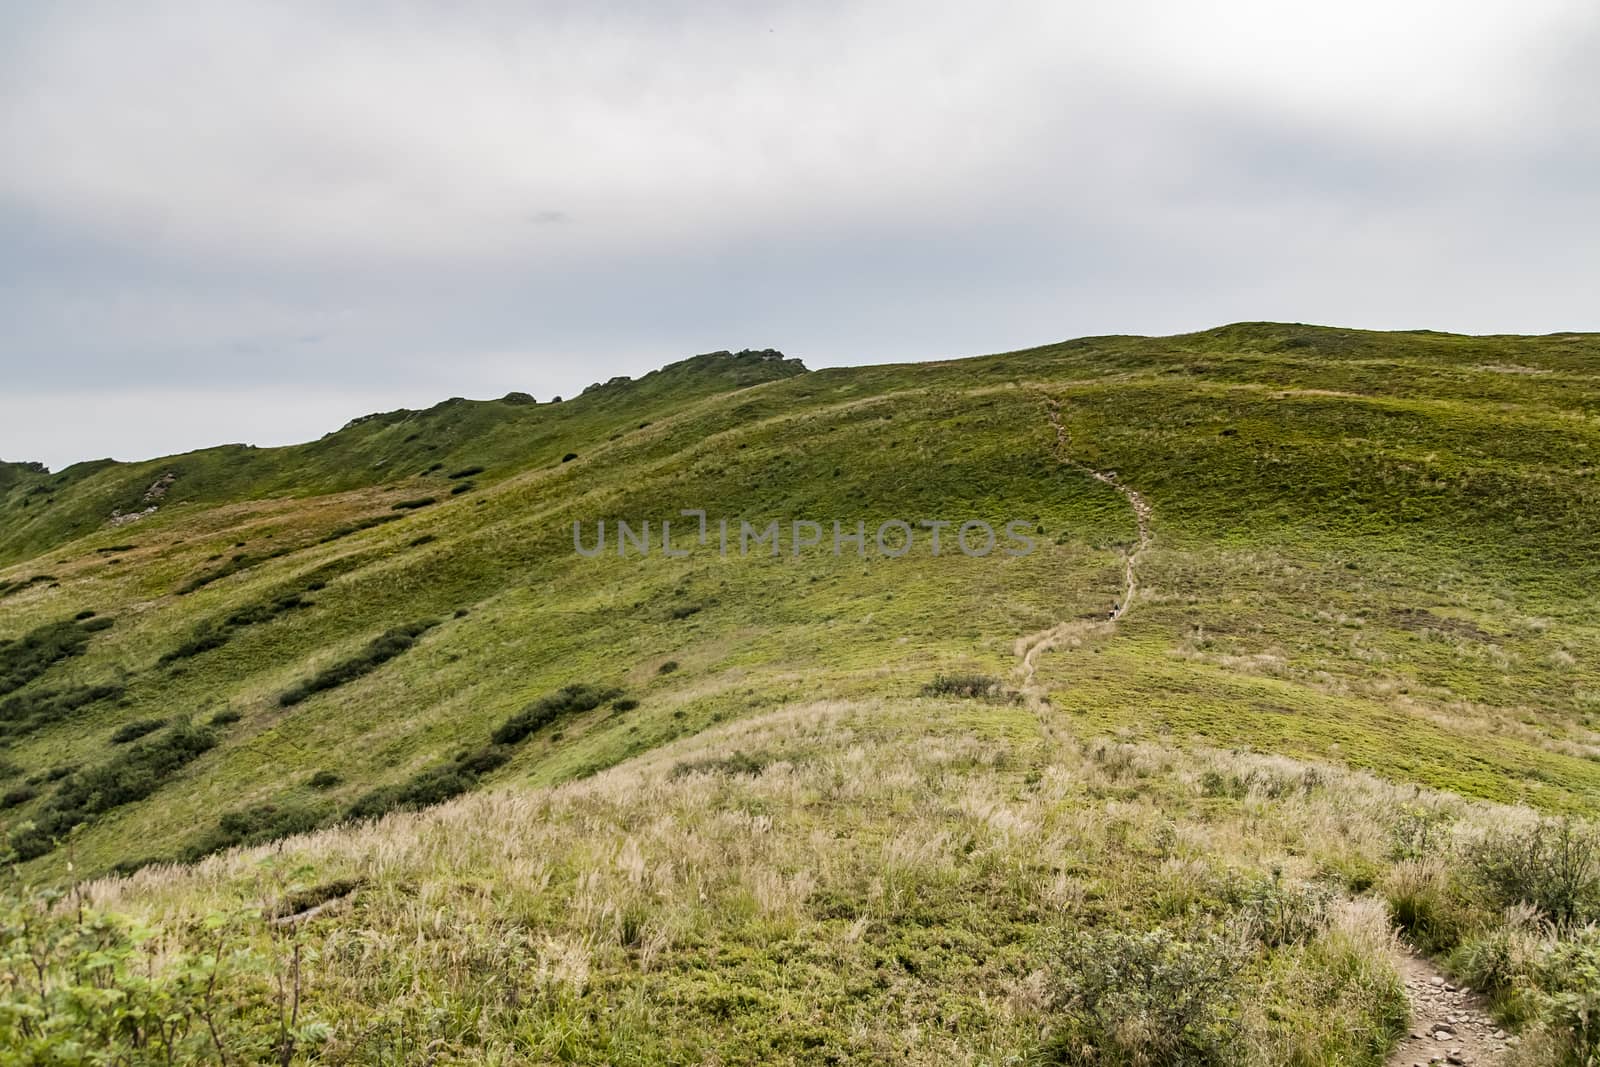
{"points": [[1377, 551]]}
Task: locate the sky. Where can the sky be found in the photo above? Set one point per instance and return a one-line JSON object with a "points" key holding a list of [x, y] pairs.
{"points": [[250, 222]]}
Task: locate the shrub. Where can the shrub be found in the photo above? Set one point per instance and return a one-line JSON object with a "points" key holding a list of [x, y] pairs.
{"points": [[425, 539], [738, 763], [432, 786], [24, 712], [413, 505], [254, 826], [25, 658], [1423, 903], [356, 527], [380, 651], [667, 667], [216, 633], [568, 700], [325, 780], [1553, 866], [969, 686], [1146, 997], [132, 774], [18, 796], [463, 487], [225, 717], [465, 472], [683, 611], [624, 704], [132, 731], [569, 457]]}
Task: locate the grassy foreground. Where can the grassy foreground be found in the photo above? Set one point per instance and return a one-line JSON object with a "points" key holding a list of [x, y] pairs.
{"points": [[699, 808]]}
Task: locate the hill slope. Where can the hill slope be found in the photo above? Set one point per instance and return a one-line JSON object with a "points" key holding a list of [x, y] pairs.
{"points": [[1374, 551]]}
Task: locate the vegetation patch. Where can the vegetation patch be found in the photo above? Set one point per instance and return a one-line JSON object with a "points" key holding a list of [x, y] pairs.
{"points": [[413, 505], [965, 686], [255, 826], [465, 472], [737, 763], [133, 774], [132, 731], [568, 700], [24, 713], [380, 651], [346, 530], [25, 658], [215, 633]]}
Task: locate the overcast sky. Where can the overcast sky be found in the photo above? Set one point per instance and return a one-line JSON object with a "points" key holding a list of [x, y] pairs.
{"points": [[250, 222]]}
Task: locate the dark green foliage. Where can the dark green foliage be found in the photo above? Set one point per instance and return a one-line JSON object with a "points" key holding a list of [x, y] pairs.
{"points": [[425, 539], [25, 658], [132, 731], [225, 717], [11, 588], [255, 826], [569, 457], [83, 615], [356, 527], [24, 713], [683, 611], [380, 651], [17, 796], [238, 563], [432, 786], [667, 667], [1553, 866], [1146, 997], [324, 780], [413, 505], [624, 704], [738, 763], [216, 633], [568, 700], [464, 487], [970, 686], [465, 472], [133, 774]]}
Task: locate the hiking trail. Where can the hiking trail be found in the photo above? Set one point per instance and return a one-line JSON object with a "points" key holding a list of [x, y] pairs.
{"points": [[1072, 631], [1448, 1025]]}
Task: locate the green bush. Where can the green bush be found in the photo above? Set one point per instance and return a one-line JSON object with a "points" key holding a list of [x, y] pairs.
{"points": [[133, 774], [465, 472], [255, 826], [1125, 997], [413, 505], [225, 717], [132, 731], [970, 686], [667, 667], [18, 796], [463, 487], [378, 652], [23, 713], [25, 658], [547, 709], [624, 704], [216, 633], [339, 532], [737, 764], [325, 780], [1553, 866]]}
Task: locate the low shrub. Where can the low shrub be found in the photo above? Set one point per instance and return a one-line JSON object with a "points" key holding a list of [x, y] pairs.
{"points": [[378, 652], [25, 712], [18, 796], [325, 780], [465, 472], [132, 731], [969, 686], [225, 717], [569, 457], [356, 527], [257, 825], [624, 704], [215, 633], [739, 763], [568, 700], [667, 667], [413, 505], [25, 658], [1553, 866], [1124, 997], [683, 611], [133, 774], [463, 487]]}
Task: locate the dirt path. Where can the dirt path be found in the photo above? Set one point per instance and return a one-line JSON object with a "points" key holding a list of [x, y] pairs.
{"points": [[1448, 1025], [1073, 631]]}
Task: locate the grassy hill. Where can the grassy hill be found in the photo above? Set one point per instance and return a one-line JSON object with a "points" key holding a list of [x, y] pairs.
{"points": [[821, 806]]}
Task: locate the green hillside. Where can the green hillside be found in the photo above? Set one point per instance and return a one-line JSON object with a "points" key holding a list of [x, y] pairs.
{"points": [[1364, 586]]}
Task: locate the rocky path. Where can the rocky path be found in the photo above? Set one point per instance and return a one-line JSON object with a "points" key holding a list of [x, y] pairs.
{"points": [[1448, 1025]]}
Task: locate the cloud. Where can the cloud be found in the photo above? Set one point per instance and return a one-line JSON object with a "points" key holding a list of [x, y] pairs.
{"points": [[315, 196]]}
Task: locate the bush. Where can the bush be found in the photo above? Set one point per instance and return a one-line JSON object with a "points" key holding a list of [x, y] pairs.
{"points": [[568, 700], [25, 712], [969, 686], [325, 780], [464, 487], [25, 658], [1146, 997], [569, 457], [255, 826], [624, 704], [380, 651], [667, 667], [683, 611], [225, 717], [1423, 903], [133, 774], [132, 731], [465, 472], [1553, 866], [738, 763], [339, 532], [413, 505], [18, 796]]}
